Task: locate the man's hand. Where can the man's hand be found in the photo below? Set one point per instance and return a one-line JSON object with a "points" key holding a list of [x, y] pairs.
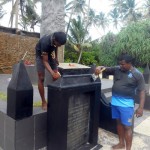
{"points": [[139, 112], [56, 75], [99, 70]]}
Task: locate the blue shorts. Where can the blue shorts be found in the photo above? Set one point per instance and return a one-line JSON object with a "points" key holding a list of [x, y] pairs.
{"points": [[124, 114]]}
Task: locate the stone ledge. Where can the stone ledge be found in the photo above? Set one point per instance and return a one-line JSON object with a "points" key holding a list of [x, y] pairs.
{"points": [[26, 134]]}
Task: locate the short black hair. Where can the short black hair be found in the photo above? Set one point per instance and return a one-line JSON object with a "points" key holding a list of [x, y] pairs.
{"points": [[60, 37], [127, 58]]}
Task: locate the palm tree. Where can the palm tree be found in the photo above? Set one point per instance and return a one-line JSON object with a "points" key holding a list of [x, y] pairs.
{"points": [[29, 17], [119, 5], [27, 10], [91, 17], [115, 17], [130, 11], [78, 36], [3, 2], [24, 23], [28, 13], [102, 20], [14, 12], [76, 7], [2, 13], [147, 8], [87, 16]]}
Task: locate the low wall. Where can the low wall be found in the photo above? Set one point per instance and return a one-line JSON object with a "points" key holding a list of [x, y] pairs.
{"points": [[26, 134], [14, 44]]}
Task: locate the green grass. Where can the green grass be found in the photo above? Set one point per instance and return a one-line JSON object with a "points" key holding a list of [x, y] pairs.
{"points": [[37, 104], [3, 97]]}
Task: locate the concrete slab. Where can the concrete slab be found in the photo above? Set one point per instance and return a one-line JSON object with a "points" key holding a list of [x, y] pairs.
{"points": [[108, 139], [141, 136], [143, 127]]}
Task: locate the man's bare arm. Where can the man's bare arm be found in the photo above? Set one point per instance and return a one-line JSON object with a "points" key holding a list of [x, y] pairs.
{"points": [[46, 64], [139, 111]]}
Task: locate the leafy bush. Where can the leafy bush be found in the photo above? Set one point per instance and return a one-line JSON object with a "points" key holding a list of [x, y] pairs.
{"points": [[88, 58], [135, 40]]}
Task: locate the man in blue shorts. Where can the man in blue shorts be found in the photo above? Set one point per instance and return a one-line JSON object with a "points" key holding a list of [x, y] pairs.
{"points": [[127, 81], [46, 57]]}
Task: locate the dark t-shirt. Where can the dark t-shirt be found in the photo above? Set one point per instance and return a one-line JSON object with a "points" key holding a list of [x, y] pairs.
{"points": [[45, 45], [126, 83]]}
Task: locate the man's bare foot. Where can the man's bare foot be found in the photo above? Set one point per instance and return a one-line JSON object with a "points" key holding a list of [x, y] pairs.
{"points": [[118, 146], [44, 105]]}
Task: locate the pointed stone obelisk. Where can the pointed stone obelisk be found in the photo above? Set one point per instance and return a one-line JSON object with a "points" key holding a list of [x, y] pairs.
{"points": [[19, 93]]}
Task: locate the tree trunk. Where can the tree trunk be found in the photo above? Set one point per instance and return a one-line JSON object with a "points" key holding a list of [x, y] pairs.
{"points": [[86, 27], [11, 20], [53, 16], [53, 19], [72, 11], [79, 58], [17, 13]]}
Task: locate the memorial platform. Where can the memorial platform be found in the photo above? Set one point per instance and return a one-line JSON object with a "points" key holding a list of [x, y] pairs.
{"points": [[34, 128]]}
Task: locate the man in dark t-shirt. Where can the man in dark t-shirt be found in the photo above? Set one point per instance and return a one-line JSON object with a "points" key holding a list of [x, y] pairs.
{"points": [[127, 81], [46, 57]]}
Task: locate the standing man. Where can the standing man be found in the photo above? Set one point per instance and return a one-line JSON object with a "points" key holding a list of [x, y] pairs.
{"points": [[127, 81], [46, 57]]}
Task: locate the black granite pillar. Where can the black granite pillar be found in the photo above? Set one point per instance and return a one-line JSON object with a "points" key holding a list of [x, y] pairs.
{"points": [[73, 112], [19, 94]]}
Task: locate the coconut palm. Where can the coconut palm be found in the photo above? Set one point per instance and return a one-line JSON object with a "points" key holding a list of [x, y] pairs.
{"points": [[86, 15], [146, 7], [3, 2], [78, 36], [28, 13], [26, 8], [102, 20], [130, 11], [119, 5], [77, 7], [29, 17], [91, 17], [115, 17], [2, 13]]}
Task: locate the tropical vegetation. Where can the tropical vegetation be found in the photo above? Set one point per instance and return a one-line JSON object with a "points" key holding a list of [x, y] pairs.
{"points": [[128, 17], [2, 13], [24, 13]]}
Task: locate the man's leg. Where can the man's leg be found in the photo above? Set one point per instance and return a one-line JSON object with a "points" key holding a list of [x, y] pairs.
{"points": [[128, 137], [121, 135], [41, 76], [125, 125]]}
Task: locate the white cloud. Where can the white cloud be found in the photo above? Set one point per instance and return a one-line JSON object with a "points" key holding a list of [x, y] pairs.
{"points": [[101, 5]]}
